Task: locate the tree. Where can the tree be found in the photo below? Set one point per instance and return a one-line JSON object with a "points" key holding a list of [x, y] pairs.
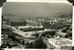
{"points": [[64, 30], [29, 46], [51, 33], [43, 35], [36, 35], [12, 37], [38, 44]]}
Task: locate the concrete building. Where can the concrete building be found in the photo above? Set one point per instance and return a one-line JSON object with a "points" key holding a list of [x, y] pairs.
{"points": [[59, 43]]}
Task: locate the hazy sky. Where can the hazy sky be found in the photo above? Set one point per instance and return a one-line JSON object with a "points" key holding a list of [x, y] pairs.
{"points": [[36, 9]]}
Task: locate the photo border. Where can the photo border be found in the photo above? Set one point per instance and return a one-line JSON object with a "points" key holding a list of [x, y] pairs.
{"points": [[3, 1]]}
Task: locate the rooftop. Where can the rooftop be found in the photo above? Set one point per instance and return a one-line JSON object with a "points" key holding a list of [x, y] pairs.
{"points": [[60, 42]]}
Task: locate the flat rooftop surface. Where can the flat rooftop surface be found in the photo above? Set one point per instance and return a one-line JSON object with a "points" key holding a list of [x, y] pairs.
{"points": [[60, 42]]}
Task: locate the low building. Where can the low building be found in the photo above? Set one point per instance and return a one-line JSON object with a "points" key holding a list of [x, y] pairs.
{"points": [[16, 23], [55, 25], [59, 43], [50, 25]]}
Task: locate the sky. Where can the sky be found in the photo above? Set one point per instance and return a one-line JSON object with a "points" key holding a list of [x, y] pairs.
{"points": [[35, 9]]}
